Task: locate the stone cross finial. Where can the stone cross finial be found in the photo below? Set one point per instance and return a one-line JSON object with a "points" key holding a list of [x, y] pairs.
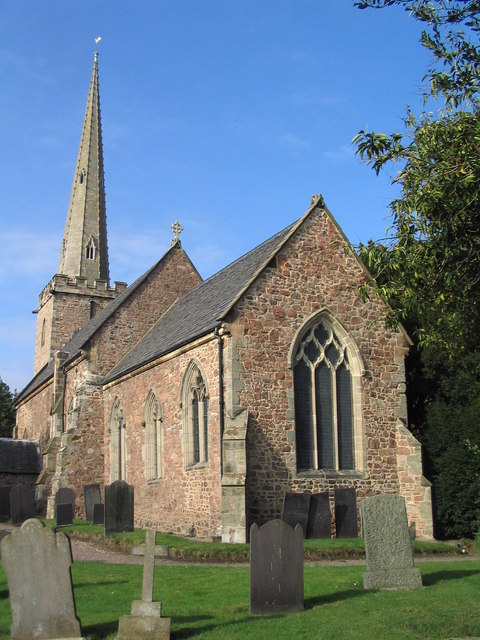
{"points": [[177, 229]]}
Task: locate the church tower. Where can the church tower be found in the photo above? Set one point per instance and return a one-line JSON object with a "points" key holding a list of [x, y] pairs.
{"points": [[81, 285]]}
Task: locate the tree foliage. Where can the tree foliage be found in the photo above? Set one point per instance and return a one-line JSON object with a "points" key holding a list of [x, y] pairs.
{"points": [[7, 412], [429, 265]]}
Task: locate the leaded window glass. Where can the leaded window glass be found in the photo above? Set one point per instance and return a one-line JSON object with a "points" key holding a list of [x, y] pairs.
{"points": [[324, 420]]}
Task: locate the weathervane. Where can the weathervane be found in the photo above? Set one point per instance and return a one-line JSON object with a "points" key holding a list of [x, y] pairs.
{"points": [[177, 229], [97, 40]]}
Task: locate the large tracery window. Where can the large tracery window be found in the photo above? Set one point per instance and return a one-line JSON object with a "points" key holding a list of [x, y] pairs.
{"points": [[118, 454], [325, 403], [195, 409], [153, 438]]}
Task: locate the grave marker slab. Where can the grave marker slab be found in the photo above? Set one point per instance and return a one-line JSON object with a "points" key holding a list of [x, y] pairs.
{"points": [[5, 500], [43, 607], [295, 509], [64, 514], [65, 495], [145, 621], [118, 507], [276, 568], [388, 547], [346, 512], [92, 495], [319, 518], [98, 514], [22, 503]]}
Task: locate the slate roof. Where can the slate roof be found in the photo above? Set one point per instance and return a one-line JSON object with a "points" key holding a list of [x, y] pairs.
{"points": [[199, 311], [74, 345], [19, 456]]}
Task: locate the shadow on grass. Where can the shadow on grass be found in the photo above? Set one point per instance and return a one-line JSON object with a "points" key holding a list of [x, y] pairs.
{"points": [[188, 632], [331, 598], [106, 583], [4, 594], [439, 576], [100, 630]]}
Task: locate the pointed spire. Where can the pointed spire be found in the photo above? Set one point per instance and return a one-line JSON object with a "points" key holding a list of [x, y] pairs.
{"points": [[84, 249]]}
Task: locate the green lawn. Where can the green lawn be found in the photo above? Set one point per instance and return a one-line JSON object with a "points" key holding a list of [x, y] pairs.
{"points": [[213, 602]]}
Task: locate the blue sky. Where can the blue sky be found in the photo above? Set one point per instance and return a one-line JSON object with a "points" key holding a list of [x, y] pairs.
{"points": [[224, 114]]}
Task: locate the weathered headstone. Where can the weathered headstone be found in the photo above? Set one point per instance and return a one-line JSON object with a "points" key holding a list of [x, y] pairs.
{"points": [[388, 547], [64, 514], [346, 512], [145, 621], [319, 519], [22, 503], [37, 562], [5, 500], [118, 507], [92, 495], [276, 568], [65, 495], [98, 513], [295, 509]]}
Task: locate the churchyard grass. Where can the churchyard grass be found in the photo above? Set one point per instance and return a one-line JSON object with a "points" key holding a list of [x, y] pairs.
{"points": [[212, 602], [193, 549]]}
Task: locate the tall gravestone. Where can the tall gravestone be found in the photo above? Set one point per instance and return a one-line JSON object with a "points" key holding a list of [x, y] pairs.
{"points": [[92, 496], [145, 621], [5, 500], [319, 519], [346, 512], [388, 547], [37, 562], [276, 568], [295, 509], [118, 507], [22, 503], [64, 506]]}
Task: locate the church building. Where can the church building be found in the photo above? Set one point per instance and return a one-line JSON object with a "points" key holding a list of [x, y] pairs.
{"points": [[214, 398]]}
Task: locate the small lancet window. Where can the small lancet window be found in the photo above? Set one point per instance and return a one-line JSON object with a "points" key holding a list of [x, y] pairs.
{"points": [[81, 175], [90, 250]]}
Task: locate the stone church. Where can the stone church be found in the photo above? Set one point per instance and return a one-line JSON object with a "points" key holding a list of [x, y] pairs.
{"points": [[214, 398]]}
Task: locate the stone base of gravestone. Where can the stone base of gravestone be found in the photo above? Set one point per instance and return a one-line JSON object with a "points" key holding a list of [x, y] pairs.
{"points": [[143, 628], [388, 548]]}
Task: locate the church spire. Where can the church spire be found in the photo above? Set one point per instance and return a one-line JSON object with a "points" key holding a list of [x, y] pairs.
{"points": [[84, 248]]}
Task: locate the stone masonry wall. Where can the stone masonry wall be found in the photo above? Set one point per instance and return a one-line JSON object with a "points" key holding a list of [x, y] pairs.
{"points": [[33, 417], [174, 276], [186, 502], [312, 274]]}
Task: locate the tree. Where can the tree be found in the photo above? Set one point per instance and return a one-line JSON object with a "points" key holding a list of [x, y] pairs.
{"points": [[7, 412], [427, 270], [429, 264]]}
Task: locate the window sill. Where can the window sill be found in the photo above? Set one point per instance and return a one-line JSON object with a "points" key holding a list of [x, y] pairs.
{"points": [[154, 481], [196, 467], [334, 474]]}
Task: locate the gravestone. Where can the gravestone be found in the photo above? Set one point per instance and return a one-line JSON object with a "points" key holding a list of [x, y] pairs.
{"points": [[92, 496], [118, 507], [64, 514], [295, 509], [22, 503], [388, 548], [319, 519], [98, 513], [145, 621], [276, 568], [5, 500], [37, 562], [346, 512]]}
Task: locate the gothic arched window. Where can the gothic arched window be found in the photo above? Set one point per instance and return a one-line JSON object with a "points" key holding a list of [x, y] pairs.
{"points": [[118, 454], [326, 396], [90, 249], [153, 438], [42, 337], [195, 416]]}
